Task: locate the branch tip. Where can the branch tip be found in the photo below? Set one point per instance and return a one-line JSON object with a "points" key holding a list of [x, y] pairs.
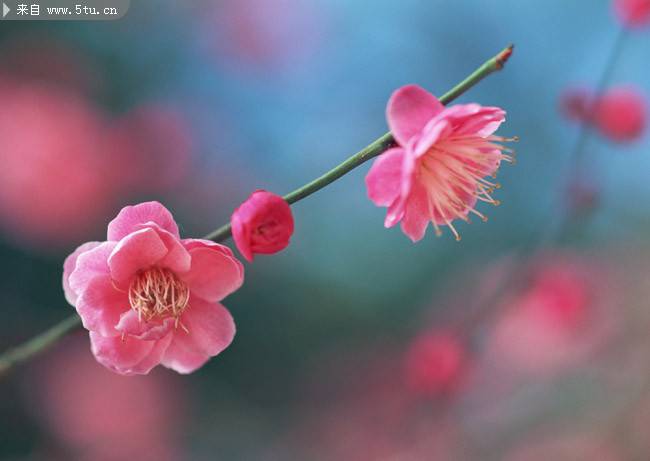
{"points": [[503, 57]]}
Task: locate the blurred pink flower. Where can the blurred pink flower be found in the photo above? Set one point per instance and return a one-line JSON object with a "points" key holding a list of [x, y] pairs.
{"points": [[359, 410], [156, 143], [57, 181], [633, 13], [559, 317], [437, 174], [99, 415], [148, 298], [621, 114], [262, 224], [575, 103], [435, 364]]}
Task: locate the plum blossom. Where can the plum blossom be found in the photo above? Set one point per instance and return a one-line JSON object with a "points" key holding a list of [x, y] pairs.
{"points": [[557, 319], [149, 297], [54, 188], [435, 364], [437, 172], [633, 13], [262, 224], [621, 114]]}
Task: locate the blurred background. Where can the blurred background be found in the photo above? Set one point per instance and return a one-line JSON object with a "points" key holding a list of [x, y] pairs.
{"points": [[353, 343]]}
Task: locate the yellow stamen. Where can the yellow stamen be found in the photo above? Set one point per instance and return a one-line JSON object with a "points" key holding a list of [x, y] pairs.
{"points": [[157, 293]]}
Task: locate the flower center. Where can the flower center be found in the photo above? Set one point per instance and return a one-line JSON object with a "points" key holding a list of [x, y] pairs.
{"points": [[453, 172], [158, 293]]}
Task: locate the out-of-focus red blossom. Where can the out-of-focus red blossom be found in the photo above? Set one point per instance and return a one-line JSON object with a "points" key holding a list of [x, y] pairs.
{"points": [[155, 141], [262, 224], [357, 409], [57, 180], [98, 415], [275, 35], [621, 114], [633, 13], [435, 364], [575, 103], [559, 318], [566, 448]]}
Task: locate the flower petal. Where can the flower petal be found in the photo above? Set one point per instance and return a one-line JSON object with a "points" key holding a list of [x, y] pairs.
{"points": [[211, 329], [138, 250], [130, 217], [215, 272], [473, 119], [130, 324], [91, 264], [128, 355], [417, 213], [177, 259], [100, 305], [409, 109], [384, 178], [69, 266]]}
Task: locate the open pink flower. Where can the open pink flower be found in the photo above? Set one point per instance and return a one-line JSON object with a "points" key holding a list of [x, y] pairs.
{"points": [[621, 114], [262, 224], [633, 13], [148, 298], [437, 173]]}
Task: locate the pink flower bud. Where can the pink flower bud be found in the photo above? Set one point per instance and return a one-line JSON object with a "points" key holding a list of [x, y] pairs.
{"points": [[262, 224], [621, 114], [633, 13]]}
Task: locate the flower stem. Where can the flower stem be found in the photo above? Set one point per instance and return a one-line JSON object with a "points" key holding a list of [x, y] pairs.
{"points": [[39, 343], [381, 144]]}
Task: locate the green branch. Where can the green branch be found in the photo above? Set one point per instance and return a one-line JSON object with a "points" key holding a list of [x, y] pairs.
{"points": [[41, 342]]}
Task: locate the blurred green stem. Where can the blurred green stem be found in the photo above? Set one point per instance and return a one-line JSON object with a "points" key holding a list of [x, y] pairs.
{"points": [[37, 344], [41, 342]]}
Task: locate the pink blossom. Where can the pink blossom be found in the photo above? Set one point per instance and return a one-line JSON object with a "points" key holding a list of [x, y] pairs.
{"points": [[262, 224], [435, 364], [437, 172], [57, 181], [98, 415], [558, 319], [621, 114], [148, 298], [633, 13]]}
